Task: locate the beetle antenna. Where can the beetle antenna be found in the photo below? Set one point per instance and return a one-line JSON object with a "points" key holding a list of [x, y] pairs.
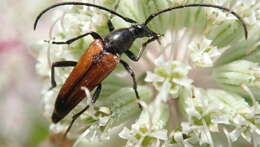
{"points": [[82, 4], [199, 5]]}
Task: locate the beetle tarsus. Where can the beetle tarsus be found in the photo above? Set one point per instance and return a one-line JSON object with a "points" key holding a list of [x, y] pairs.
{"points": [[53, 86], [110, 25], [109, 22], [140, 106]]}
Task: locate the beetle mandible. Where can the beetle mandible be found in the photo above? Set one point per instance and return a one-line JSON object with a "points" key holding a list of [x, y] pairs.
{"points": [[102, 56]]}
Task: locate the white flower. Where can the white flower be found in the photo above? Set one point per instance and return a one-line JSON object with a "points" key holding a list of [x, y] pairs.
{"points": [[148, 129], [173, 72], [239, 72], [202, 53]]}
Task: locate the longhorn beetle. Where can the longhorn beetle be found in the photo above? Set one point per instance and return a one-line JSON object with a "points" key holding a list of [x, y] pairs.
{"points": [[102, 56]]}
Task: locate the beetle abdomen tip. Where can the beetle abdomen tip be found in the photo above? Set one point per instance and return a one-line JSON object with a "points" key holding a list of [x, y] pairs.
{"points": [[56, 117]]}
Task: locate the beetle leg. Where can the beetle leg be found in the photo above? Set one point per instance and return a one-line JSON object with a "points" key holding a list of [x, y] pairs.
{"points": [[131, 72], [110, 25], [93, 34], [59, 64], [93, 100], [133, 57], [109, 22]]}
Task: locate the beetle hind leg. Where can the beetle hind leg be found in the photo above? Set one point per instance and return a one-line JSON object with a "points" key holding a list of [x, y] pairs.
{"points": [[93, 100]]}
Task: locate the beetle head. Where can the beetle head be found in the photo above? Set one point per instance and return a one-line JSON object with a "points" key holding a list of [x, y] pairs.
{"points": [[141, 30]]}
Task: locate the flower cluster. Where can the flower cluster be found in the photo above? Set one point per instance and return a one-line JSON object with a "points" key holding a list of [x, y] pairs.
{"points": [[200, 82], [172, 76]]}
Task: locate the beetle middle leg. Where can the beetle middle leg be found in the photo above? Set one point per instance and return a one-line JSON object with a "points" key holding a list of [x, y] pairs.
{"points": [[59, 64], [133, 57], [93, 34], [131, 72], [93, 100]]}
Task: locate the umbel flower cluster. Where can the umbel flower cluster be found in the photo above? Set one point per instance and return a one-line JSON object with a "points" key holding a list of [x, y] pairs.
{"points": [[199, 86]]}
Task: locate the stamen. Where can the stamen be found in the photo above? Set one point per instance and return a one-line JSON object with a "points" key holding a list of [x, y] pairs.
{"points": [[207, 131], [88, 95], [248, 90], [253, 138], [146, 108], [81, 137], [228, 137]]}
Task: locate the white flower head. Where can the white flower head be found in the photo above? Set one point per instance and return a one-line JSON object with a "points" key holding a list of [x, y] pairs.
{"points": [[237, 73], [203, 54], [148, 129], [173, 72]]}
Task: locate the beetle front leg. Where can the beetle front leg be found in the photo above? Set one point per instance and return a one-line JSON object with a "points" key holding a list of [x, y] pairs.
{"points": [[131, 72], [93, 34], [109, 22], [133, 57], [59, 64], [93, 100], [110, 25]]}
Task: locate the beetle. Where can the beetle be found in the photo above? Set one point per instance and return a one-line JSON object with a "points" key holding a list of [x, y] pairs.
{"points": [[102, 56]]}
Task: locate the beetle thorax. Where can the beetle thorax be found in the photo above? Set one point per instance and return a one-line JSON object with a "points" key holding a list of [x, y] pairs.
{"points": [[119, 41]]}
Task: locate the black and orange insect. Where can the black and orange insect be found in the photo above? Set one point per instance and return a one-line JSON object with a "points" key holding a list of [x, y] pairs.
{"points": [[102, 56]]}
